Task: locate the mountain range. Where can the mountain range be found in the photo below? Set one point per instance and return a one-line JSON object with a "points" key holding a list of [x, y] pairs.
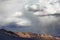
{"points": [[9, 35]]}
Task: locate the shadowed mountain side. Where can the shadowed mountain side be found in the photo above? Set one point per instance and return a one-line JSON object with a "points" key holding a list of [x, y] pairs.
{"points": [[8, 35]]}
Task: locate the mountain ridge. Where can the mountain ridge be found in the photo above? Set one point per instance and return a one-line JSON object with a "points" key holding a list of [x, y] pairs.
{"points": [[9, 35]]}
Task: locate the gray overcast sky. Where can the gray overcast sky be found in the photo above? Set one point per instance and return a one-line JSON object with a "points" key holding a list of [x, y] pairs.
{"points": [[13, 11]]}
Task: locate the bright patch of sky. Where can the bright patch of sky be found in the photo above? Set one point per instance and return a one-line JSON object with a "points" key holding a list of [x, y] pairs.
{"points": [[23, 22]]}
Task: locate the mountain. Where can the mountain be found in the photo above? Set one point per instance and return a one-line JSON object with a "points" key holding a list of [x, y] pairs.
{"points": [[9, 35]]}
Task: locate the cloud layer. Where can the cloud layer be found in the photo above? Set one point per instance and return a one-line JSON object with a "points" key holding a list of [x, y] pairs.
{"points": [[10, 11], [27, 14]]}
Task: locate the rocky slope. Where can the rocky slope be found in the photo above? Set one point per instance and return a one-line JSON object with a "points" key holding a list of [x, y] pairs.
{"points": [[8, 35]]}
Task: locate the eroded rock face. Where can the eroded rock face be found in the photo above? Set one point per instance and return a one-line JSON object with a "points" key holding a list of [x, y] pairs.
{"points": [[38, 36], [8, 35], [27, 34]]}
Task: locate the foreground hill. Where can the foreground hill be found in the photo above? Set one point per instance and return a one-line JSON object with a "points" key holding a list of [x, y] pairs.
{"points": [[8, 35]]}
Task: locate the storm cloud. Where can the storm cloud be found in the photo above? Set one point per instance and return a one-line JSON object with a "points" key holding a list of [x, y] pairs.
{"points": [[25, 16]]}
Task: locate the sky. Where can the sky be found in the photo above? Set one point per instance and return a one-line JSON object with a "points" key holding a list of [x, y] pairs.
{"points": [[30, 16]]}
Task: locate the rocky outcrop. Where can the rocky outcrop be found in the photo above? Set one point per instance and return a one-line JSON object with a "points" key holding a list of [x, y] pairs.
{"points": [[37, 36], [27, 35], [8, 35]]}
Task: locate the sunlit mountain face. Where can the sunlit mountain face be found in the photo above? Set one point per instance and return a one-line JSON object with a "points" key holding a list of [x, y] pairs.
{"points": [[37, 16]]}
